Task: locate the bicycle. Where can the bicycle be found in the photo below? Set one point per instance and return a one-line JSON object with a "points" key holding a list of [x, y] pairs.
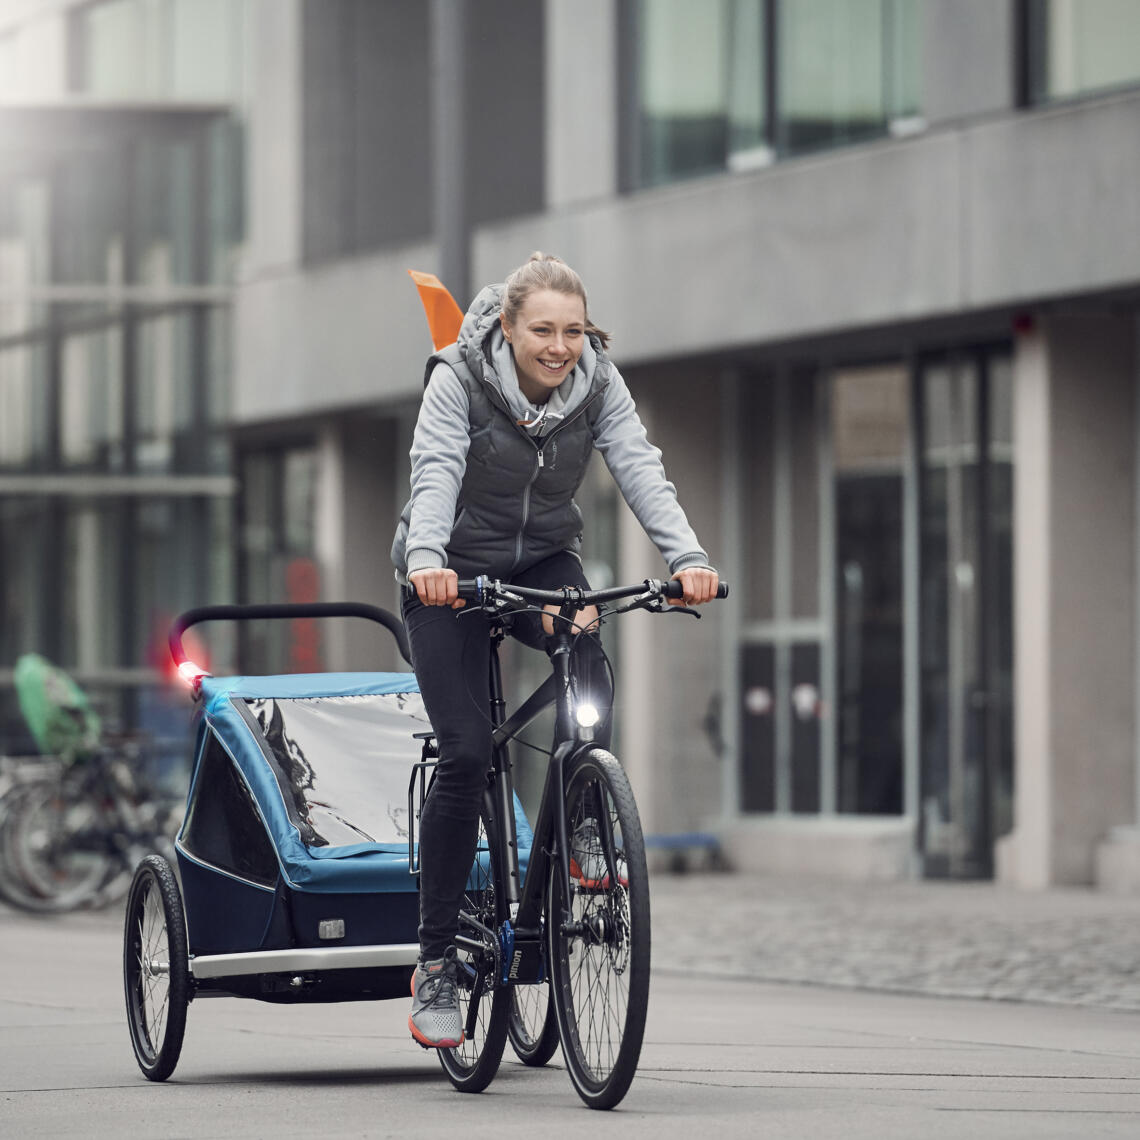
{"points": [[577, 915], [72, 832]]}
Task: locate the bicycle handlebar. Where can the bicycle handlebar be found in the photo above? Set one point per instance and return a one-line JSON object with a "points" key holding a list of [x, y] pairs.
{"points": [[483, 589]]}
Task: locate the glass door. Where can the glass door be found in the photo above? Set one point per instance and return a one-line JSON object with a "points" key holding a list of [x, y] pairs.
{"points": [[965, 610], [870, 426]]}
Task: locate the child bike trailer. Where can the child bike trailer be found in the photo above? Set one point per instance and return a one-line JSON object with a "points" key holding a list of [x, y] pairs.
{"points": [[295, 870]]}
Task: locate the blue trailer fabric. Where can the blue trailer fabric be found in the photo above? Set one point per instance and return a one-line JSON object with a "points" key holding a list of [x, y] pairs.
{"points": [[327, 759]]}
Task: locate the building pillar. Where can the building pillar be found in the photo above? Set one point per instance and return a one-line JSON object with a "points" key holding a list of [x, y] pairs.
{"points": [[581, 93], [1074, 565]]}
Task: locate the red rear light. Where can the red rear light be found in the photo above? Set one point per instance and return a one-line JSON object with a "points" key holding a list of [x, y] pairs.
{"points": [[191, 673]]}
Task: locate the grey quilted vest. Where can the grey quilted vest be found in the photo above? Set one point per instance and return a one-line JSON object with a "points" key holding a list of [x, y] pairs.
{"points": [[516, 503]]}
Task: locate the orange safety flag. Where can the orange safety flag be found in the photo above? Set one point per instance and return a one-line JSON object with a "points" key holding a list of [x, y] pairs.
{"points": [[444, 316]]}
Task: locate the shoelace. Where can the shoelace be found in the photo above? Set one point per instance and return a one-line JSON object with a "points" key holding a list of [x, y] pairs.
{"points": [[440, 990]]}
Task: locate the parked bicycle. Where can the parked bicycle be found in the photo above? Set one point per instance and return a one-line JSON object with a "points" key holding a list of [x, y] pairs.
{"points": [[71, 832], [576, 916]]}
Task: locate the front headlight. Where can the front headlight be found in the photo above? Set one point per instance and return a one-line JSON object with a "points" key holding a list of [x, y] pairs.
{"points": [[586, 715]]}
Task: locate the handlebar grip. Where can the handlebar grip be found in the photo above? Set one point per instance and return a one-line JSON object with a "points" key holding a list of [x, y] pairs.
{"points": [[471, 589], [674, 589]]}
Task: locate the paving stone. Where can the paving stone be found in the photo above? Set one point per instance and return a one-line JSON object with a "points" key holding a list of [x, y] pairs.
{"points": [[1071, 946]]}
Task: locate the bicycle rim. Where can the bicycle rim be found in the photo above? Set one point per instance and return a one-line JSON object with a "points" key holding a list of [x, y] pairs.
{"points": [[599, 961], [472, 1066]]}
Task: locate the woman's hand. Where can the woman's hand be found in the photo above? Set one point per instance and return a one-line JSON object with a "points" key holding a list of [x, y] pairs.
{"points": [[699, 584], [437, 586]]}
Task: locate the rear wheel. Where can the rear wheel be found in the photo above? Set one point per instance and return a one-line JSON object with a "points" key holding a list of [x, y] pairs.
{"points": [[599, 958], [472, 1066], [156, 970], [533, 1025]]}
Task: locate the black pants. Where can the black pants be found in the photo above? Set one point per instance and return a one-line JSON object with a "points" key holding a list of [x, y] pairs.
{"points": [[451, 657]]}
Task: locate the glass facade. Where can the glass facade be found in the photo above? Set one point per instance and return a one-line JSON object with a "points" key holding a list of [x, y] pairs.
{"points": [[732, 84], [1078, 47], [119, 226]]}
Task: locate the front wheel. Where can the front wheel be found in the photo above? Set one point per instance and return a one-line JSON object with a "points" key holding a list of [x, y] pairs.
{"points": [[472, 1066], [598, 938], [156, 968]]}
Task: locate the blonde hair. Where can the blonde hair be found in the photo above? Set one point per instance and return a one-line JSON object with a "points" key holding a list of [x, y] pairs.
{"points": [[545, 271]]}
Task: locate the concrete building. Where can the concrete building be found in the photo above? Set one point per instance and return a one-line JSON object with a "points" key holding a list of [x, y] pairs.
{"points": [[872, 267]]}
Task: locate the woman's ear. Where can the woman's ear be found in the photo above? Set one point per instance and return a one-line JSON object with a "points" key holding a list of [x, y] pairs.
{"points": [[506, 328]]}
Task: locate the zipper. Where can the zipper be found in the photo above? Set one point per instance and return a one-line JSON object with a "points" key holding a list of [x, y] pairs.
{"points": [[540, 460], [526, 509]]}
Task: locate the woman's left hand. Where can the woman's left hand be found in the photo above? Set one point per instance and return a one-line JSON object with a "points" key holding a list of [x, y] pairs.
{"points": [[699, 583]]}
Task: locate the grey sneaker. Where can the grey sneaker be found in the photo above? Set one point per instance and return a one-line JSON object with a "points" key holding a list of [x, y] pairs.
{"points": [[588, 858], [434, 1019]]}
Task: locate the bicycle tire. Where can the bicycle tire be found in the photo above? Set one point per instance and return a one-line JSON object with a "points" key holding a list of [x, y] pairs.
{"points": [[533, 1025], [472, 1066], [156, 968], [599, 969], [47, 869]]}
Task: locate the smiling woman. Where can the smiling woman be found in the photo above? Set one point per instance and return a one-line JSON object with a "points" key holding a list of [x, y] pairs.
{"points": [[510, 417]]}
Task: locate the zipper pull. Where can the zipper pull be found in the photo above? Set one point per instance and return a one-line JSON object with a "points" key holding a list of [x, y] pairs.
{"points": [[541, 460]]}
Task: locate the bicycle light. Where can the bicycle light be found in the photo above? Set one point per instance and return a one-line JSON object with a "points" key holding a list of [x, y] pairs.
{"points": [[586, 715], [191, 673]]}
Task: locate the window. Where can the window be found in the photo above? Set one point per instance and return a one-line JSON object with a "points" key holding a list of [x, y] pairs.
{"points": [[223, 827], [1080, 46], [729, 84], [184, 49], [847, 69], [701, 86]]}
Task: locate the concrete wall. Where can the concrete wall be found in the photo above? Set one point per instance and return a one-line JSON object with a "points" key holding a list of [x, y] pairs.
{"points": [[994, 212], [1075, 589], [273, 155], [581, 94], [976, 213], [671, 664]]}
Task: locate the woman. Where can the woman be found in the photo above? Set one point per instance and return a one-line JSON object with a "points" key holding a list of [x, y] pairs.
{"points": [[510, 415]]}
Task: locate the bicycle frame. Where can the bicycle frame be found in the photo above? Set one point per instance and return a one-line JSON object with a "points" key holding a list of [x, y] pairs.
{"points": [[524, 899], [519, 941]]}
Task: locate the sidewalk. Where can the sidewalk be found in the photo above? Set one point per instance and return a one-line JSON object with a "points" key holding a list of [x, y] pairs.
{"points": [[947, 939]]}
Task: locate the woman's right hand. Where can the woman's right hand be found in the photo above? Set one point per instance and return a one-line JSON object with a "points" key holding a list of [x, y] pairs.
{"points": [[437, 586]]}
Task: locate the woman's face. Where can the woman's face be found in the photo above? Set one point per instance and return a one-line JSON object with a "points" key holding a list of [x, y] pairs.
{"points": [[547, 338]]}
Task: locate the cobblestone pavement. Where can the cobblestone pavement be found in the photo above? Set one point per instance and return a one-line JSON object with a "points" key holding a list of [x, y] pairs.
{"points": [[976, 940]]}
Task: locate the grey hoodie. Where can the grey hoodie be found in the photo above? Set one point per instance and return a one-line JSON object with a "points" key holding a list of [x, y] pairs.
{"points": [[492, 496]]}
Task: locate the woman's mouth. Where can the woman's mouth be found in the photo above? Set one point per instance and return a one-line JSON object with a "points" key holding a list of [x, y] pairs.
{"points": [[551, 366]]}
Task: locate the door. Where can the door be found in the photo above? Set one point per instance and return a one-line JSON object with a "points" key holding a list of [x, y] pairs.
{"points": [[965, 610]]}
